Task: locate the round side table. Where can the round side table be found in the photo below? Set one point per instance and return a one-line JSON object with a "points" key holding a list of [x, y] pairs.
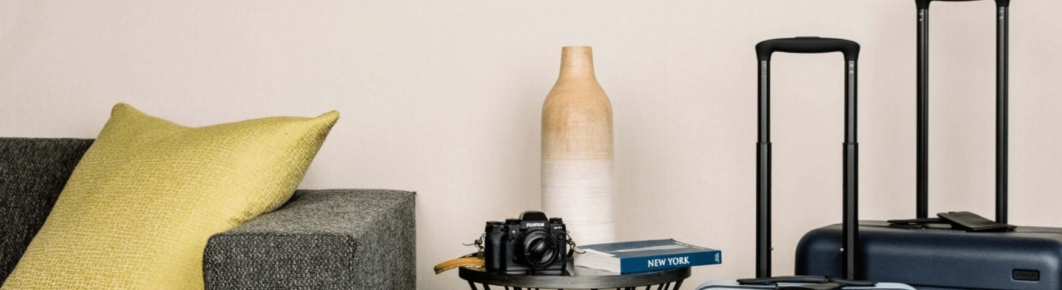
{"points": [[578, 278]]}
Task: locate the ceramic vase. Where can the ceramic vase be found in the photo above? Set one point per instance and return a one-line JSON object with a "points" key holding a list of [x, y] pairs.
{"points": [[577, 152]]}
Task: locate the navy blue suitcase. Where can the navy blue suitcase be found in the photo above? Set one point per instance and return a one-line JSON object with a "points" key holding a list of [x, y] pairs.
{"points": [[956, 250]]}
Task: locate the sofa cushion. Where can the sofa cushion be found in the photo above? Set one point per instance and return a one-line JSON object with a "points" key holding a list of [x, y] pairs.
{"points": [[32, 173], [140, 206]]}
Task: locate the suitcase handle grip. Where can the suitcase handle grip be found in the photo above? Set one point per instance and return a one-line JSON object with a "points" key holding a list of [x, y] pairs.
{"points": [[924, 4], [849, 48]]}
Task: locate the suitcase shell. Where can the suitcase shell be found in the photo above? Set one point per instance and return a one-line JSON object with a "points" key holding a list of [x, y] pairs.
{"points": [[940, 256], [848, 239], [942, 259]]}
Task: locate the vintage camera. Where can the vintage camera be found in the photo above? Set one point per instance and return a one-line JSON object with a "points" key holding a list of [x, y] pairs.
{"points": [[532, 243]]}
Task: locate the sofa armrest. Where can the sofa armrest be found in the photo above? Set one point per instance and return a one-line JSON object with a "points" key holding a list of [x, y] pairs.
{"points": [[320, 239], [33, 171]]}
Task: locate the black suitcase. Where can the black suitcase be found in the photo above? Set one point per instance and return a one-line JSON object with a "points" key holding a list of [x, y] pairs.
{"points": [[763, 278], [957, 250]]}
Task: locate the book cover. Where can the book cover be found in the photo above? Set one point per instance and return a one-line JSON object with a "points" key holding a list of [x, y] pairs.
{"points": [[643, 256]]}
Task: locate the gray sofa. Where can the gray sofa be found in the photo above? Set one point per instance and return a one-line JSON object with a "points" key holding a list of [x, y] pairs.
{"points": [[320, 239]]}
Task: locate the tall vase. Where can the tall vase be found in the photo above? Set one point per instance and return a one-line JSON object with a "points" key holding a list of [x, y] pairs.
{"points": [[577, 151]]}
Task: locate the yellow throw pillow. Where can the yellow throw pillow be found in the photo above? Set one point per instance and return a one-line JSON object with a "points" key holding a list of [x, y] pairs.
{"points": [[139, 207]]}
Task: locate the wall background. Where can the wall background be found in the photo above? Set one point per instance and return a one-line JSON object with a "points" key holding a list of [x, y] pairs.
{"points": [[444, 98]]}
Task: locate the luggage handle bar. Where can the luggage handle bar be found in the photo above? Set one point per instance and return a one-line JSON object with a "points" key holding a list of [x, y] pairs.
{"points": [[922, 130], [924, 4], [850, 231], [808, 44]]}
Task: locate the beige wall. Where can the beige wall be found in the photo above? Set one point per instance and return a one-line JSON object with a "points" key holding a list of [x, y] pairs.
{"points": [[444, 97]]}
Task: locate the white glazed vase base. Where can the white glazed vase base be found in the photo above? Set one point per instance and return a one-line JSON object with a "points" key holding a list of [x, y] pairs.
{"points": [[580, 192]]}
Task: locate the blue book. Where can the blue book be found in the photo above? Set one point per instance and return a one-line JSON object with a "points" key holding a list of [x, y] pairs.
{"points": [[643, 256]]}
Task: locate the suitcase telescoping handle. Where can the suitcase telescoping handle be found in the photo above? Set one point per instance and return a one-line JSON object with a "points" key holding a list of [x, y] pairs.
{"points": [[922, 187], [924, 4], [807, 44], [764, 50]]}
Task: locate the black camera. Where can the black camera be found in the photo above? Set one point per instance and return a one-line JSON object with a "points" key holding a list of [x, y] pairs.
{"points": [[531, 243]]}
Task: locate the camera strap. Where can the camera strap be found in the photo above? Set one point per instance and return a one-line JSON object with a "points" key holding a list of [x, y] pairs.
{"points": [[472, 261], [571, 249]]}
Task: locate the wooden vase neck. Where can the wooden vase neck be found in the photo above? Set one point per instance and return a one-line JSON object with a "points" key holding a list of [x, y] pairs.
{"points": [[577, 114], [577, 62]]}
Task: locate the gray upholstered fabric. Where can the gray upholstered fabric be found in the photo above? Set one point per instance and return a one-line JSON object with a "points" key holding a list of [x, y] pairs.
{"points": [[321, 239], [32, 174]]}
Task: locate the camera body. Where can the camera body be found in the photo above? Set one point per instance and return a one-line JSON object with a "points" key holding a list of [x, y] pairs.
{"points": [[532, 242]]}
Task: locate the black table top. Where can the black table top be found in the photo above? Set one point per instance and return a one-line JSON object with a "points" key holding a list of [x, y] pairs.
{"points": [[577, 277]]}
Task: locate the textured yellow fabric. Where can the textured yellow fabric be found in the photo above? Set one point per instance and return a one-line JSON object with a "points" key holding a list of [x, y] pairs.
{"points": [[139, 207]]}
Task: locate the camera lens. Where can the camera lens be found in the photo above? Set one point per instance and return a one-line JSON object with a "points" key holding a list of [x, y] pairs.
{"points": [[539, 249]]}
